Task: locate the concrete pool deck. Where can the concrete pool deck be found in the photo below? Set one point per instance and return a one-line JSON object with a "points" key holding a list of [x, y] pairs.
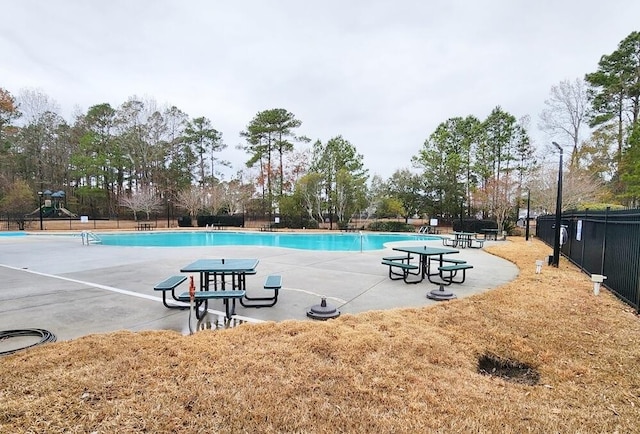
{"points": [[58, 284]]}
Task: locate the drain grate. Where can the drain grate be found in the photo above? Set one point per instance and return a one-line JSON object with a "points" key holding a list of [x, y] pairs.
{"points": [[509, 370]]}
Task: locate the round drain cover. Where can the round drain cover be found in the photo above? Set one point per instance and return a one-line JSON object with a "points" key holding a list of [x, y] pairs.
{"points": [[323, 311]]}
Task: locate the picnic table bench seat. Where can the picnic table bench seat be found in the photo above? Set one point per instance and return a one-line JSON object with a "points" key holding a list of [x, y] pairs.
{"points": [[450, 260], [449, 242], [204, 296], [170, 284], [449, 272], [273, 283], [401, 265], [211, 295], [398, 258], [406, 269], [490, 234], [479, 242]]}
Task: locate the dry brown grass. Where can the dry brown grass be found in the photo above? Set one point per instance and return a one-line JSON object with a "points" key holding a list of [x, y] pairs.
{"points": [[400, 371]]}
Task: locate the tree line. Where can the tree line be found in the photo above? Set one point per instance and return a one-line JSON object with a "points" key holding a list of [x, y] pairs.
{"points": [[139, 158]]}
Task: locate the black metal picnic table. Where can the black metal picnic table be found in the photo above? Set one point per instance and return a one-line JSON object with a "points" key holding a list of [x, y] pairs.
{"points": [[215, 271], [463, 239], [426, 254], [490, 234]]}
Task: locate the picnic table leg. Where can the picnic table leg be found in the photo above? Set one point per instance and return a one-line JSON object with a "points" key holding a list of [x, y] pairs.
{"points": [[424, 263], [198, 305], [204, 281], [229, 307], [406, 274], [440, 262], [439, 272]]}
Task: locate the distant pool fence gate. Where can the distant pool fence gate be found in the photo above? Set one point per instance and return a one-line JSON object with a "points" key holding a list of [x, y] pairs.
{"points": [[601, 242]]}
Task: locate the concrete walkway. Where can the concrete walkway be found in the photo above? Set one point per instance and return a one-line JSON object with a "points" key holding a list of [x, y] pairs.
{"points": [[56, 283]]}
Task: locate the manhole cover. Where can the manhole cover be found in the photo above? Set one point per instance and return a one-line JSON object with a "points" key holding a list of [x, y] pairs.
{"points": [[509, 370]]}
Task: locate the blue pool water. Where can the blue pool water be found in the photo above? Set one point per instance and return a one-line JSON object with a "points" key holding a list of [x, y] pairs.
{"points": [[306, 241], [12, 234]]}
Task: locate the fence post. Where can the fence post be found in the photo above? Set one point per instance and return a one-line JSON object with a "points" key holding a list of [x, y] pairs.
{"points": [[638, 285], [584, 240], [604, 239]]}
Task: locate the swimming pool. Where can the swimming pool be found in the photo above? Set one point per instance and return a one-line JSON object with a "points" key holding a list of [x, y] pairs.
{"points": [[343, 241], [12, 234]]}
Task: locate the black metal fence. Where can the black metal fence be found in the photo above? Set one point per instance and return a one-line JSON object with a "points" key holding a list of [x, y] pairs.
{"points": [[601, 242]]}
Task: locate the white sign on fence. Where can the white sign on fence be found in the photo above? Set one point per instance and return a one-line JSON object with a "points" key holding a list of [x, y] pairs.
{"points": [[579, 231]]}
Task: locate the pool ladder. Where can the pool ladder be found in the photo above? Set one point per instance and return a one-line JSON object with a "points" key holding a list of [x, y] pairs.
{"points": [[89, 237]]}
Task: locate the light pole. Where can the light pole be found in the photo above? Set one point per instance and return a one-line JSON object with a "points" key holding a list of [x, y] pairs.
{"points": [[168, 207], [556, 241], [526, 233], [40, 207]]}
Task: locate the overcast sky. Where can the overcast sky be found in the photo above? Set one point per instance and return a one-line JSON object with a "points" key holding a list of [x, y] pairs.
{"points": [[383, 74]]}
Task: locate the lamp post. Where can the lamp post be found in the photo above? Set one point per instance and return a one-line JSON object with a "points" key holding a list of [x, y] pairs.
{"points": [[168, 208], [526, 233], [40, 207], [556, 241]]}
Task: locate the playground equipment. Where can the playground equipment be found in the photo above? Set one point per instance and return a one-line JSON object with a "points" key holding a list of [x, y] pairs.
{"points": [[53, 206]]}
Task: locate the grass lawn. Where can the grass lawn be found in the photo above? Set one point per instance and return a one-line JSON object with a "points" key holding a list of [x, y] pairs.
{"points": [[559, 359]]}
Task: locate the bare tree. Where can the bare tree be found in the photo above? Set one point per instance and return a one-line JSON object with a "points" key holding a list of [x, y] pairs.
{"points": [[33, 103], [144, 201], [191, 200], [499, 196], [311, 188], [342, 196], [566, 113], [579, 187], [238, 194], [376, 195], [213, 198], [295, 167]]}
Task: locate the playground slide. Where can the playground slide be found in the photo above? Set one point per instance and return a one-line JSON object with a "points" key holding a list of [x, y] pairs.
{"points": [[48, 211], [66, 212]]}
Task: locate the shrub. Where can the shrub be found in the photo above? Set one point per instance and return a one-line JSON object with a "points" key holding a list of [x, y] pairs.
{"points": [[222, 220], [184, 221], [391, 226], [290, 222], [473, 225]]}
